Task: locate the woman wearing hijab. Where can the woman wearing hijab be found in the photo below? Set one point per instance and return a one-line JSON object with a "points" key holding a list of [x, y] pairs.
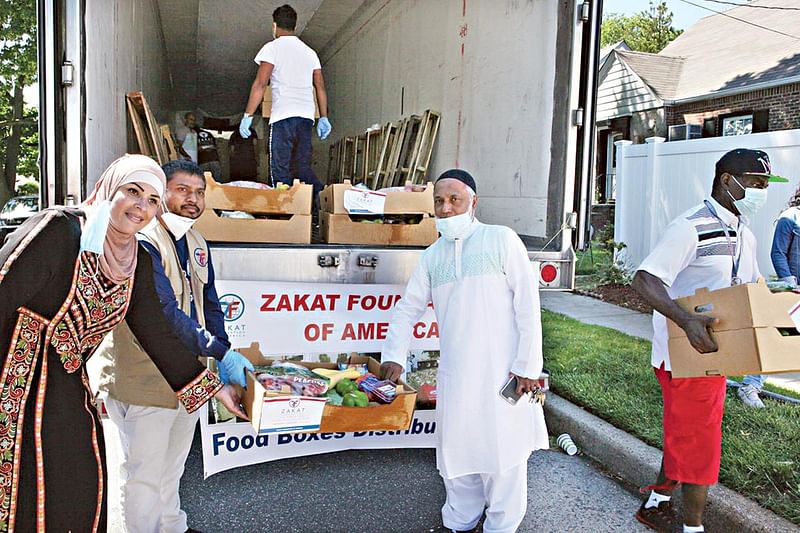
{"points": [[67, 277]]}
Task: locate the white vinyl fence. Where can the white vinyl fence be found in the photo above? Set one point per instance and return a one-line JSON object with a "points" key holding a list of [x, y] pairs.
{"points": [[658, 181]]}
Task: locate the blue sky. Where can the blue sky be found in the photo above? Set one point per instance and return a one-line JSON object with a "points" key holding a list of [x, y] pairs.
{"points": [[684, 15]]}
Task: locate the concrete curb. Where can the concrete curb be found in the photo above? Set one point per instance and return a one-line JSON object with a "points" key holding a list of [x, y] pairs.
{"points": [[637, 463]]}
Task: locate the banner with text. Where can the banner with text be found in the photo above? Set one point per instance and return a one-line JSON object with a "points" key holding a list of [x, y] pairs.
{"points": [[300, 318], [233, 444]]}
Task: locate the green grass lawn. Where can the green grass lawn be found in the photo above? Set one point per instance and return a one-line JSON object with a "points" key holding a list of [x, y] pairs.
{"points": [[609, 374], [589, 259]]}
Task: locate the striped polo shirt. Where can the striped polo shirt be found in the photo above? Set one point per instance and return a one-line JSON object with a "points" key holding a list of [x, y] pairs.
{"points": [[693, 253]]}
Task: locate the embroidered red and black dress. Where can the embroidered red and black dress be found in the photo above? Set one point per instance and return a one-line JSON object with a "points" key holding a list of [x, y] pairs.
{"points": [[55, 308]]}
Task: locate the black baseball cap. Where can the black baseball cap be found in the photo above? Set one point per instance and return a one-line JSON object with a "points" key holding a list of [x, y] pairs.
{"points": [[745, 161], [461, 175]]}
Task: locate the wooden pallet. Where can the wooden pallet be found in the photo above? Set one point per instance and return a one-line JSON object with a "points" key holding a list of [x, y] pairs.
{"points": [[334, 154], [388, 136], [347, 159], [359, 159], [422, 158], [408, 150], [172, 150], [372, 150], [394, 154], [148, 133]]}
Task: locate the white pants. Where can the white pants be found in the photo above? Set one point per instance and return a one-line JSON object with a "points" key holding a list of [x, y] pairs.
{"points": [[504, 495], [155, 443]]}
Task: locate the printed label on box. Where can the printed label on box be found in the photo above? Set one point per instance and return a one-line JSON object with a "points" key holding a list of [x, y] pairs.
{"points": [[361, 202], [285, 414]]}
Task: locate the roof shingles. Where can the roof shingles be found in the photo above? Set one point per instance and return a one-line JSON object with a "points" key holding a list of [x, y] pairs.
{"points": [[720, 52]]}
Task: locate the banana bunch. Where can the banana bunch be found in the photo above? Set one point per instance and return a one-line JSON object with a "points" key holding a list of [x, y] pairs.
{"points": [[334, 376]]}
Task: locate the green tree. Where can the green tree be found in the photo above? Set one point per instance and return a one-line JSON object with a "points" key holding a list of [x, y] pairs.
{"points": [[647, 31], [19, 137]]}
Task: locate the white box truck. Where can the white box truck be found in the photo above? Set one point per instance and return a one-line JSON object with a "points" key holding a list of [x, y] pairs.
{"points": [[513, 80]]}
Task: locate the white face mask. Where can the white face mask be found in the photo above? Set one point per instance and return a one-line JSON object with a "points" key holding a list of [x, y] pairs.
{"points": [[754, 199], [455, 227], [177, 225]]}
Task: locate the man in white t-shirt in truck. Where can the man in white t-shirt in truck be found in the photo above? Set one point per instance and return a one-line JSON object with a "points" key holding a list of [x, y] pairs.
{"points": [[293, 70]]}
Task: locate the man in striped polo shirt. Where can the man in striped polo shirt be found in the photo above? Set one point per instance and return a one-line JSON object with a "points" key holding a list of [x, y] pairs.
{"points": [[707, 246]]}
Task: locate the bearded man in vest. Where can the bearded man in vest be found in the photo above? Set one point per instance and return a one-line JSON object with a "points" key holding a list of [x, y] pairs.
{"points": [[154, 431]]}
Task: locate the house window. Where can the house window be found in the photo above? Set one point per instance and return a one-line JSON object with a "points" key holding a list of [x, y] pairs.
{"points": [[737, 125]]}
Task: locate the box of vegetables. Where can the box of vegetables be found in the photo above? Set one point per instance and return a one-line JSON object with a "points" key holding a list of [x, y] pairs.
{"points": [[286, 396]]}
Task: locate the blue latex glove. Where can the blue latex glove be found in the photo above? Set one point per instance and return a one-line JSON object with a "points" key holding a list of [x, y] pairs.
{"points": [[323, 128], [244, 126], [232, 367]]}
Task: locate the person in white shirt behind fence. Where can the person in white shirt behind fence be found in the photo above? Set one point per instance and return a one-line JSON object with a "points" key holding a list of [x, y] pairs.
{"points": [[486, 300]]}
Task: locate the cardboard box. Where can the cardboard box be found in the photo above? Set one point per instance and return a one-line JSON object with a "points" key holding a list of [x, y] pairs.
{"points": [[287, 212], [397, 202], [287, 414], [335, 419], [751, 319], [266, 103], [293, 230], [341, 229], [296, 200]]}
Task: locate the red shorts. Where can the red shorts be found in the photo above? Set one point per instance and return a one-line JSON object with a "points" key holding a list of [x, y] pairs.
{"points": [[693, 409]]}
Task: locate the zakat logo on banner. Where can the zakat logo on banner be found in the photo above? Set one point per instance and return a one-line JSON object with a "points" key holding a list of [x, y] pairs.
{"points": [[232, 307], [200, 257], [294, 402]]}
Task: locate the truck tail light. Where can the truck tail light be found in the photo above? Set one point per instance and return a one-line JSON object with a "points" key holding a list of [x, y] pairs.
{"points": [[549, 274]]}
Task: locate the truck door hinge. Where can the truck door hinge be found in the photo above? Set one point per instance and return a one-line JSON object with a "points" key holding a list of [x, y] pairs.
{"points": [[583, 11], [577, 117], [67, 72], [328, 260], [368, 261]]}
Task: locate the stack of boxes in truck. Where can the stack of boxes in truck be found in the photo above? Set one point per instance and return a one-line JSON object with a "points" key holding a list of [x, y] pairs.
{"points": [[281, 215], [394, 218]]}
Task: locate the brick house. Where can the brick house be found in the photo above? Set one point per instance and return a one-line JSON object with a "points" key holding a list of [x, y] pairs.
{"points": [[729, 74]]}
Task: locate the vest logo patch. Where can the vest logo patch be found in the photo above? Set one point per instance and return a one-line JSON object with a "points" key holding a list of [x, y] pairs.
{"points": [[200, 257]]}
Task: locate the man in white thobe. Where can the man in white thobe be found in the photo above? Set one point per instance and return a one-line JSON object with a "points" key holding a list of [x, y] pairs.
{"points": [[486, 300]]}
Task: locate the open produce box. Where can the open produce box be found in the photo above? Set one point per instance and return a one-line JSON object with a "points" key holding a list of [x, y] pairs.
{"points": [[282, 215], [755, 334], [332, 200], [359, 216], [335, 419]]}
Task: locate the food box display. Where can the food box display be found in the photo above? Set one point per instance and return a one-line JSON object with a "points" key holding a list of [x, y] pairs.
{"points": [[755, 333], [351, 215], [258, 403], [393, 202], [347, 229], [281, 215]]}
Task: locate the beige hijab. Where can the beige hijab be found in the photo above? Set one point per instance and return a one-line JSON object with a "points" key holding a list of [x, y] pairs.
{"points": [[116, 251]]}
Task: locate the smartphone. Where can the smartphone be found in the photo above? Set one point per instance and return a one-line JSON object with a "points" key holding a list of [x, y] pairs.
{"points": [[509, 391]]}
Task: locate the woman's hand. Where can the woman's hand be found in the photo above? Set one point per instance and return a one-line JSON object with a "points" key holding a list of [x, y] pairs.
{"points": [[230, 399]]}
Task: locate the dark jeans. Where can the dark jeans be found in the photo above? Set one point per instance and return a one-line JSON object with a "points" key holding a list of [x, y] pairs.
{"points": [[290, 152]]}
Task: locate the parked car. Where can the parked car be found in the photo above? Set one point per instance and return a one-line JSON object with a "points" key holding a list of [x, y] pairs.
{"points": [[16, 211]]}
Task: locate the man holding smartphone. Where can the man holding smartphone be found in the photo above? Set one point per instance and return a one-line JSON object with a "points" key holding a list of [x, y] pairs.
{"points": [[486, 299]]}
